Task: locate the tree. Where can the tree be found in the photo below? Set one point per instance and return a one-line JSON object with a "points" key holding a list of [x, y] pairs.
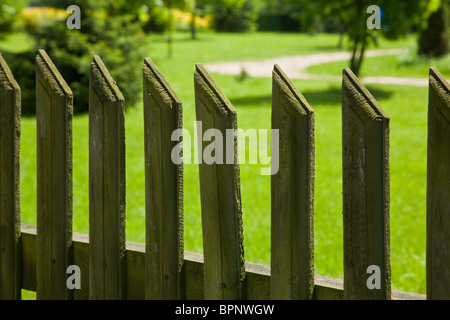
{"points": [[233, 15], [192, 4], [397, 17], [170, 5], [434, 37]]}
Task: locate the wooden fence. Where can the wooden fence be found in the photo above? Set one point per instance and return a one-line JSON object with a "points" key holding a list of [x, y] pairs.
{"points": [[37, 258]]}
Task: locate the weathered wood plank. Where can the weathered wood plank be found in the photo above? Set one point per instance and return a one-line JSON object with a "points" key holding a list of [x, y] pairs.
{"points": [[10, 111], [54, 105], [438, 188], [365, 142], [163, 187], [107, 274], [220, 191], [292, 193], [28, 248]]}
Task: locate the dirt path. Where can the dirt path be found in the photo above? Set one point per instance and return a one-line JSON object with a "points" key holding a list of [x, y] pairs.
{"points": [[295, 67]]}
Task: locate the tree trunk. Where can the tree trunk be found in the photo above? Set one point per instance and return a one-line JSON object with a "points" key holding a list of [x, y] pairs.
{"points": [[192, 27], [353, 58], [169, 29], [361, 40], [433, 40]]}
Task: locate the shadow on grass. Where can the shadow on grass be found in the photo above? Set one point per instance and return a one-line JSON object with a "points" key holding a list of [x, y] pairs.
{"points": [[326, 97], [333, 96], [252, 101]]}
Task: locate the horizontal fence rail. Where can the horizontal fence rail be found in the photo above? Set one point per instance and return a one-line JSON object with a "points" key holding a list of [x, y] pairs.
{"points": [[37, 257]]}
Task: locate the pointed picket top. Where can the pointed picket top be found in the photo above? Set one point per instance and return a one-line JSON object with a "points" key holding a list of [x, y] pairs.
{"points": [[367, 105], [106, 87], [153, 75], [51, 74], [285, 84], [207, 83]]}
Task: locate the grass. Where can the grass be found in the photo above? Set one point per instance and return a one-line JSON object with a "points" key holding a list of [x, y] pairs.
{"points": [[407, 107], [15, 42]]}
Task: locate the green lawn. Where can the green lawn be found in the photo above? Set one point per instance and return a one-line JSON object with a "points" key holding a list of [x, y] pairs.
{"points": [[407, 107], [15, 42]]}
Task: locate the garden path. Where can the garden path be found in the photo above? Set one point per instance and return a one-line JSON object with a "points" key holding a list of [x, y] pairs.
{"points": [[295, 66]]}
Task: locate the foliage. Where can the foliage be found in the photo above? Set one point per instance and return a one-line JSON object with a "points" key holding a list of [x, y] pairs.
{"points": [[434, 38], [184, 19], [116, 38], [397, 18], [233, 15], [9, 12]]}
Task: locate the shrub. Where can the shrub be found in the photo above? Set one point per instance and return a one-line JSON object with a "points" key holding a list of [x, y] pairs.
{"points": [[117, 39], [234, 16]]}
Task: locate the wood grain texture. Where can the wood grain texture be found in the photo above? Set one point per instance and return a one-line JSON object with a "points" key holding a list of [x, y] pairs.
{"points": [[220, 194], [365, 141], [164, 186], [292, 193], [10, 111], [438, 188], [54, 108], [107, 261]]}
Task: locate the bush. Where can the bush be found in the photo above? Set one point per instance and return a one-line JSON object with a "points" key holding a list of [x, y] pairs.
{"points": [[278, 22], [8, 14], [433, 40], [117, 39], [234, 16], [157, 20]]}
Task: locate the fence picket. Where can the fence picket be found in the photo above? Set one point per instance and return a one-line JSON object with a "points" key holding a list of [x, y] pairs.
{"points": [[438, 188], [365, 148], [107, 261], [220, 193], [10, 110], [292, 190], [54, 105], [164, 186]]}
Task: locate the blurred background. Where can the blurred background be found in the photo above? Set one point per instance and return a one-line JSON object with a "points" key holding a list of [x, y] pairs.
{"points": [[176, 34]]}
